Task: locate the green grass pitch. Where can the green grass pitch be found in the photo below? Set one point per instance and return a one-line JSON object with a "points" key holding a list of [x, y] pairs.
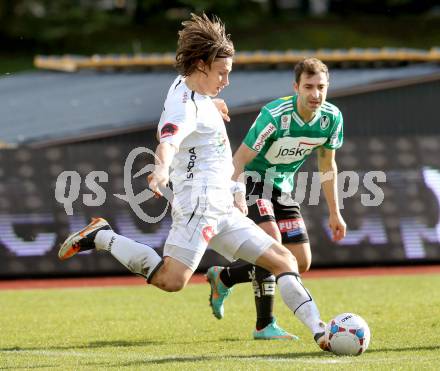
{"points": [[143, 328]]}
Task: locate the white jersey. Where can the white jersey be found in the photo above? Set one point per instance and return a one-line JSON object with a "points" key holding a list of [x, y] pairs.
{"points": [[191, 122]]}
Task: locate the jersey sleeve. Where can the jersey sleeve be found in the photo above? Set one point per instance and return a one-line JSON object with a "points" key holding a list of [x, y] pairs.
{"points": [[262, 130], [337, 135], [177, 121]]}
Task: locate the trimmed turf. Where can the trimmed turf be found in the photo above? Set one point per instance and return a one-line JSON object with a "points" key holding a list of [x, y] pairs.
{"points": [[141, 327]]}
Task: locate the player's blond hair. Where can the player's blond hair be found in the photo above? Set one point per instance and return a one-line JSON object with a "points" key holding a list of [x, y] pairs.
{"points": [[201, 39], [310, 67]]}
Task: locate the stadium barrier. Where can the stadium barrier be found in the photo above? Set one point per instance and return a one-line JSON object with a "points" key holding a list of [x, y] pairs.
{"points": [[71, 63]]}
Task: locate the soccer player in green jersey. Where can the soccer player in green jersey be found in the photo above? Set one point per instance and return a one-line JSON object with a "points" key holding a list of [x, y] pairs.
{"points": [[283, 136]]}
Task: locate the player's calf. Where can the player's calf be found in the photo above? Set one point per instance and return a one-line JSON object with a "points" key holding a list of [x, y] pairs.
{"points": [[301, 303], [138, 258], [292, 291]]}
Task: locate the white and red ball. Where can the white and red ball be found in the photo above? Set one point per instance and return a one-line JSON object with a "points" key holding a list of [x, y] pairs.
{"points": [[347, 334]]}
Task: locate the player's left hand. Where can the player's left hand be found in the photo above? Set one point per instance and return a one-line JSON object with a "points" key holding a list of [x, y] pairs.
{"points": [[220, 104], [338, 227], [240, 202]]}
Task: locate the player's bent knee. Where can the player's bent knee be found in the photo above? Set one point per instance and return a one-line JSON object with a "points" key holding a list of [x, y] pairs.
{"points": [[302, 254], [303, 266], [174, 286], [169, 284], [283, 252], [290, 263], [172, 276], [167, 281], [278, 259]]}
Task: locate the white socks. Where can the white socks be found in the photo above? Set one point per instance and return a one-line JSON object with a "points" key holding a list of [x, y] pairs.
{"points": [[139, 258], [300, 302]]}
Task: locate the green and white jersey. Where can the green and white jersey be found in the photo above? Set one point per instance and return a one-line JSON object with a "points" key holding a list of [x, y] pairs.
{"points": [[284, 141]]}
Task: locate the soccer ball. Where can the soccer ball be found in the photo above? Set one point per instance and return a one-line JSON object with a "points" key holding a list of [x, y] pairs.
{"points": [[347, 334]]}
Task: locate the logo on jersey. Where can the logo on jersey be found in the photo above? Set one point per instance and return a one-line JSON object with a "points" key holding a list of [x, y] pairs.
{"points": [[324, 122], [191, 163], [185, 97], [208, 233], [221, 142], [168, 130], [264, 134], [285, 121], [265, 207], [302, 150], [293, 227], [287, 150]]}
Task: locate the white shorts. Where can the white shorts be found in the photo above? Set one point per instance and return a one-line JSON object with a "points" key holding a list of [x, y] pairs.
{"points": [[210, 218]]}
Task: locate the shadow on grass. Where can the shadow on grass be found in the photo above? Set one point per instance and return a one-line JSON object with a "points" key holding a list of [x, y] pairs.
{"points": [[195, 358], [114, 343], [250, 357], [200, 358], [282, 356], [91, 345], [27, 367], [221, 340], [190, 359]]}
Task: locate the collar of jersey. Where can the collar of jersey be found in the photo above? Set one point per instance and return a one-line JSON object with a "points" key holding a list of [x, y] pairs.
{"points": [[193, 92], [298, 118]]}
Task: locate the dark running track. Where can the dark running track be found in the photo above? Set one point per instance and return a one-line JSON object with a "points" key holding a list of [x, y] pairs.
{"points": [[23, 284]]}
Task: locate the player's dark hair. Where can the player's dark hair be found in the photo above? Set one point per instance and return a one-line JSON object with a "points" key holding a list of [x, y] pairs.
{"points": [[310, 67], [201, 39]]}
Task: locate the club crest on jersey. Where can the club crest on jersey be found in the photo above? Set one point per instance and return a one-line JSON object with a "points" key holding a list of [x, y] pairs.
{"points": [[324, 122], [168, 130], [185, 97], [285, 122], [208, 233], [220, 142]]}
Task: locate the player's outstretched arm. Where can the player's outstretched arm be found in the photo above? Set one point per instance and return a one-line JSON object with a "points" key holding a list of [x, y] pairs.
{"points": [[243, 156], [159, 178], [329, 180]]}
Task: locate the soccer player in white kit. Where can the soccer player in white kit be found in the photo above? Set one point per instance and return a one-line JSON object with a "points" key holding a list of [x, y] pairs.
{"points": [[194, 144]]}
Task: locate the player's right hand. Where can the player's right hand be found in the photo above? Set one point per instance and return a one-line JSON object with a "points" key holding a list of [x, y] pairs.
{"points": [[240, 202], [158, 179], [222, 107]]}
